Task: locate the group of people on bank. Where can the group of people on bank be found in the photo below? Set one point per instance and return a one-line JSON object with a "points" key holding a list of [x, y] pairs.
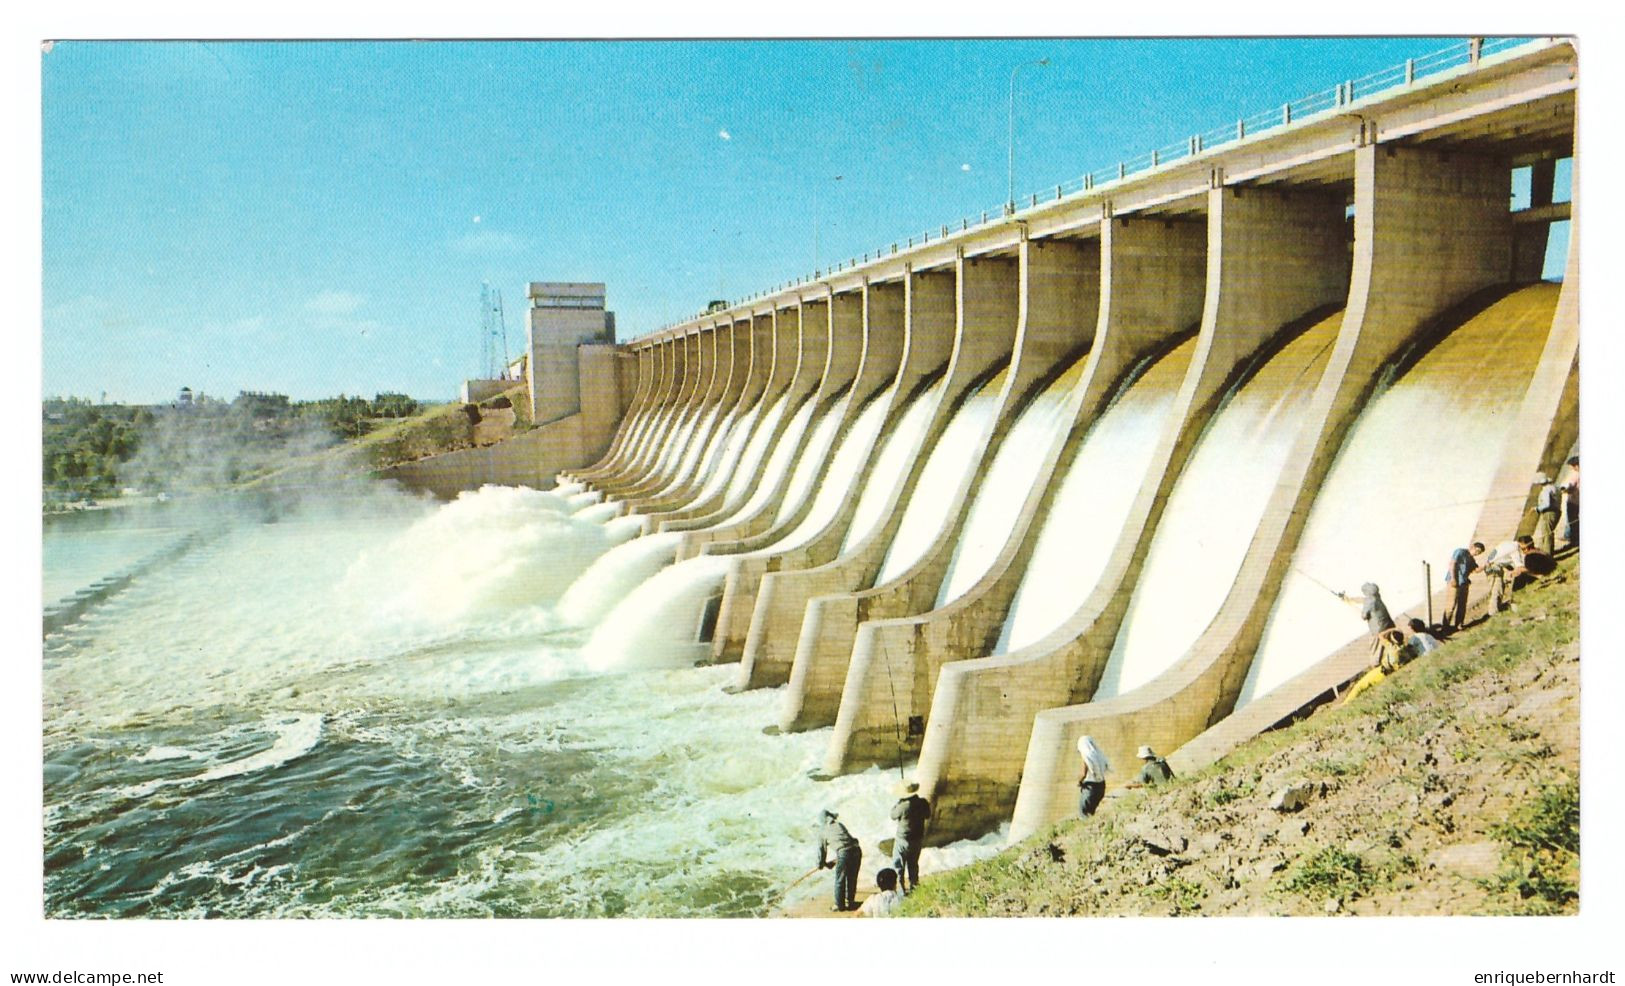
{"points": [[1509, 565], [840, 851]]}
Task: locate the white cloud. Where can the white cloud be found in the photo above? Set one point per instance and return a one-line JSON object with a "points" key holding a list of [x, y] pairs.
{"points": [[336, 302], [964, 167], [488, 241], [725, 135]]}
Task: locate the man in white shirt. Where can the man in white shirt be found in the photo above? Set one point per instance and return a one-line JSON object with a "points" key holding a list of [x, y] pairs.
{"points": [[885, 903]]}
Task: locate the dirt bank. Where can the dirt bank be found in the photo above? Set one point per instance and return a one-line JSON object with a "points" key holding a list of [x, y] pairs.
{"points": [[1450, 788]]}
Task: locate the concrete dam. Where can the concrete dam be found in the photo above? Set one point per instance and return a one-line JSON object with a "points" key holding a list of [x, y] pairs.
{"points": [[1093, 466]]}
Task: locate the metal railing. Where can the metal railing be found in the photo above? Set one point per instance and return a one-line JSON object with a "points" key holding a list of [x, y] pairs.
{"points": [[1303, 110]]}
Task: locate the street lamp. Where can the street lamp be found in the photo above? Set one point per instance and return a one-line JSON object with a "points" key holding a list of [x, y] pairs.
{"points": [[815, 222], [1010, 199]]}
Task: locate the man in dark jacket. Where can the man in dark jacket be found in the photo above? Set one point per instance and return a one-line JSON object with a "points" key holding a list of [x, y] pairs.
{"points": [[833, 838], [910, 813], [1155, 771], [1463, 563]]}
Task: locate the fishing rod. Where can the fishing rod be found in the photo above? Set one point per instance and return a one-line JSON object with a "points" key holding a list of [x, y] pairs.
{"points": [[896, 717], [1474, 503], [1316, 581], [792, 884]]}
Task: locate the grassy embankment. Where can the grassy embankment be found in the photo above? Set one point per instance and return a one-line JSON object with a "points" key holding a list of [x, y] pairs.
{"points": [[1450, 788], [434, 429]]}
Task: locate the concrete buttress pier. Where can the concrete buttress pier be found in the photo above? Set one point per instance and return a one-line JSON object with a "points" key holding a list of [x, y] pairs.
{"points": [[1058, 295], [1150, 292], [986, 320], [922, 340], [1430, 230], [763, 434]]}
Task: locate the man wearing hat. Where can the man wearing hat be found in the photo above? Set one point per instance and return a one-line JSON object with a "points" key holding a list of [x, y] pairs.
{"points": [[1547, 504], [1156, 769], [910, 812], [834, 838]]}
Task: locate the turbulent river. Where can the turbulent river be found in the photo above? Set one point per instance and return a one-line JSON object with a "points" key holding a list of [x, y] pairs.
{"points": [[373, 706]]}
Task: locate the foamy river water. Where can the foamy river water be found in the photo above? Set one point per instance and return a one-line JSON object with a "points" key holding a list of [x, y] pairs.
{"points": [[372, 707]]}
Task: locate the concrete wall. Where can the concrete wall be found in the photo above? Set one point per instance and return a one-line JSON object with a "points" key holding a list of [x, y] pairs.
{"points": [[818, 378], [1430, 231], [1151, 283], [1273, 256], [1244, 241], [1057, 306], [986, 318], [754, 341], [474, 391], [636, 376], [553, 335], [536, 457], [929, 324]]}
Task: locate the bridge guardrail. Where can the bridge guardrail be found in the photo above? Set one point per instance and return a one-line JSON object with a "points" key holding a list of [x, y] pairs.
{"points": [[1469, 52]]}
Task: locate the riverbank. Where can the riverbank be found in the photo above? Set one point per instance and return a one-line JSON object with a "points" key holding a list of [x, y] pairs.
{"points": [[1451, 788]]}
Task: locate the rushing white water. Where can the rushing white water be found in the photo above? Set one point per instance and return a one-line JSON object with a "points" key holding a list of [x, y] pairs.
{"points": [[717, 448], [673, 449], [580, 501], [256, 733], [1087, 513], [295, 735], [598, 513], [738, 437], [807, 466], [615, 573], [1202, 537], [567, 490], [703, 441], [778, 464], [1407, 486], [657, 624], [998, 500], [895, 454], [944, 471], [623, 529], [496, 549], [742, 483], [649, 445], [836, 485]]}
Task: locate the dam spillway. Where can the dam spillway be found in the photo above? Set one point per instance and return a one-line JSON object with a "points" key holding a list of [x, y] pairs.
{"points": [[1070, 470]]}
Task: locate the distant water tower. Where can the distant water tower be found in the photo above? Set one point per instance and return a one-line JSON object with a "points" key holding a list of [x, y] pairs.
{"points": [[185, 398]]}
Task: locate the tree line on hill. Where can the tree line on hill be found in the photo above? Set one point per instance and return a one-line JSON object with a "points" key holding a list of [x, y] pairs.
{"points": [[92, 449]]}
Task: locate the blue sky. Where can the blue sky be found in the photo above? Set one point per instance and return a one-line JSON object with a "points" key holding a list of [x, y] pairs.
{"points": [[316, 217]]}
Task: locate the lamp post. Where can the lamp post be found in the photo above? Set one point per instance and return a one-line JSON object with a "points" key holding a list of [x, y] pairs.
{"points": [[815, 222], [1010, 194]]}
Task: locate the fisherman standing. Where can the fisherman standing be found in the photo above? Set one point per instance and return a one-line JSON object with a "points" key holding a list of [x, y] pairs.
{"points": [[1548, 503], [910, 813], [1571, 495], [1092, 781], [1373, 611], [1463, 563], [837, 849]]}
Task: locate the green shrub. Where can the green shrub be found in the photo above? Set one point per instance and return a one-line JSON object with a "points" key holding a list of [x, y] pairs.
{"points": [[1331, 872]]}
